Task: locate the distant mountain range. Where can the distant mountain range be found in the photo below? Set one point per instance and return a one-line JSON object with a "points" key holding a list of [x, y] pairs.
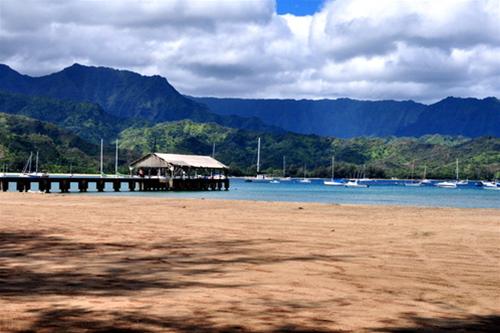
{"points": [[64, 115], [122, 94], [127, 95], [346, 118]]}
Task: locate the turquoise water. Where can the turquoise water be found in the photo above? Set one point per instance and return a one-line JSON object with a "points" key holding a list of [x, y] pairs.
{"points": [[379, 193]]}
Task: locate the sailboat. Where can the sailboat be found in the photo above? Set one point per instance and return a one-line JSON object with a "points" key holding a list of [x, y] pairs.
{"points": [[305, 180], [452, 184], [413, 183], [355, 183], [258, 177], [490, 185], [332, 182], [27, 167], [364, 179], [285, 178], [424, 179]]}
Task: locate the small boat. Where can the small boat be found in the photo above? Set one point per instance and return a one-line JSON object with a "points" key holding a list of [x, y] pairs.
{"points": [[285, 178], [354, 183], [332, 182], [447, 184], [274, 181], [258, 177], [497, 188], [424, 180], [490, 185], [305, 180], [414, 184]]}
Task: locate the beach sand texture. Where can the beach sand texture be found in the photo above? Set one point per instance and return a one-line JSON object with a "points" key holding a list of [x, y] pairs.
{"points": [[81, 263]]}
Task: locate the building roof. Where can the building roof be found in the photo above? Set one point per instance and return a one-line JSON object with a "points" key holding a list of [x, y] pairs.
{"points": [[161, 160]]}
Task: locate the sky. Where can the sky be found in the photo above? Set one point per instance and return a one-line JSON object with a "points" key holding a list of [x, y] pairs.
{"points": [[423, 50]]}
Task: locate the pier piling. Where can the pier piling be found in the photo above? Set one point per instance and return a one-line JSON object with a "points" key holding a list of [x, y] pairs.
{"points": [[24, 183]]}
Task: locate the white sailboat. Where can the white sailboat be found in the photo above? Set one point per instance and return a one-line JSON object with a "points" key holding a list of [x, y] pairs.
{"points": [[451, 184], [305, 180], [490, 185], [27, 167], [285, 178], [424, 179], [332, 182], [413, 183], [354, 183], [258, 177], [364, 179]]}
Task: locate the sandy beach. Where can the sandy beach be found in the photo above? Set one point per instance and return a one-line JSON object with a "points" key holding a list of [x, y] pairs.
{"points": [[81, 263]]}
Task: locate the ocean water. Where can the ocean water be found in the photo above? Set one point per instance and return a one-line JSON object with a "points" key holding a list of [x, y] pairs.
{"points": [[379, 193]]}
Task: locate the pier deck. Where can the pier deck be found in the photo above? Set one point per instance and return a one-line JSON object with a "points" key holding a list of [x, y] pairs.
{"points": [[63, 182]]}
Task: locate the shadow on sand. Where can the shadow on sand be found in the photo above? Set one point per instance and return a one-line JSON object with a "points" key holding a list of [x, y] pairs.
{"points": [[35, 265]]}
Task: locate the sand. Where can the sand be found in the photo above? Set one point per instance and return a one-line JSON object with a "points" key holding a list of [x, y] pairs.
{"points": [[82, 263]]}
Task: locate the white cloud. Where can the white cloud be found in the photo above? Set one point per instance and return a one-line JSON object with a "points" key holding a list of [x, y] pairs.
{"points": [[366, 49]]}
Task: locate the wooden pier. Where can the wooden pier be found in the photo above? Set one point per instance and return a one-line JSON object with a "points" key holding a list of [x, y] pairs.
{"points": [[24, 183]]}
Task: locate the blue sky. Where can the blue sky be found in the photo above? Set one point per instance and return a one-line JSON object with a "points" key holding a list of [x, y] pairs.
{"points": [[298, 7]]}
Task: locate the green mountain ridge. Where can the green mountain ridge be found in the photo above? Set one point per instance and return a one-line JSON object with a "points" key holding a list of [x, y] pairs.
{"points": [[383, 157], [122, 94], [87, 120], [389, 157]]}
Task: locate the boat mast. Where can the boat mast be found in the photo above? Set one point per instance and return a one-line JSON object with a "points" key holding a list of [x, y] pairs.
{"points": [[412, 169], [456, 170], [258, 155], [213, 150], [425, 170], [333, 167], [36, 164], [27, 167], [101, 155], [116, 158], [284, 166]]}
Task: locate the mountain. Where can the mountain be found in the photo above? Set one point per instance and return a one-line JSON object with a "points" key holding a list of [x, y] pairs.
{"points": [[383, 157], [58, 148], [87, 120], [469, 117], [348, 118], [123, 94]]}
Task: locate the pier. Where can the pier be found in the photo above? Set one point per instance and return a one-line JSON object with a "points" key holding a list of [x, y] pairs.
{"points": [[153, 172], [82, 183]]}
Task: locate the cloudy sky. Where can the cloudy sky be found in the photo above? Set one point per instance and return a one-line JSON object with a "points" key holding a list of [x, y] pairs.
{"points": [[383, 49]]}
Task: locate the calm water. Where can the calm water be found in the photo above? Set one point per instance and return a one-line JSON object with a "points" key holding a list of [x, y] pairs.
{"points": [[379, 193]]}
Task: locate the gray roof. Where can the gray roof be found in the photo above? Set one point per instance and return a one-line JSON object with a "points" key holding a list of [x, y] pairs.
{"points": [[161, 160]]}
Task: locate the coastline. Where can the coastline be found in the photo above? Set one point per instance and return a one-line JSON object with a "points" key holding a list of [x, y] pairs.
{"points": [[176, 265]]}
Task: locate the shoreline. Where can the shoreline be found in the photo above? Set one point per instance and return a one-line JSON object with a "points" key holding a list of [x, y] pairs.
{"points": [[92, 263], [155, 196]]}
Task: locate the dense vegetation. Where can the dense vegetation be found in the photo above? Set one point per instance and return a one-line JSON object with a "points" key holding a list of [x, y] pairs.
{"points": [[61, 150], [87, 120], [389, 157]]}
